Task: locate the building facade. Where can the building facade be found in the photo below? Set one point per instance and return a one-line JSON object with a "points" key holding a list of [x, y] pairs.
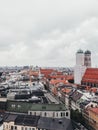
{"points": [[51, 114]]}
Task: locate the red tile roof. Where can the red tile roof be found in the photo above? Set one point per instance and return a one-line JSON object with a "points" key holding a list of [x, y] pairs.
{"points": [[46, 72], [94, 89], [52, 74], [66, 90], [91, 75], [94, 110], [58, 76], [56, 81]]}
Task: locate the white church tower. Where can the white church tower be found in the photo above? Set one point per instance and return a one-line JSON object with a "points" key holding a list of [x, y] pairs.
{"points": [[80, 58], [80, 68], [87, 59]]}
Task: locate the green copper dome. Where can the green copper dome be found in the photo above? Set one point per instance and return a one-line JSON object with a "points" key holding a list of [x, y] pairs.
{"points": [[80, 51], [87, 52]]}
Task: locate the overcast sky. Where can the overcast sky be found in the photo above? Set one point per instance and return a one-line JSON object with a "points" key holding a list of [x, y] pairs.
{"points": [[47, 32]]}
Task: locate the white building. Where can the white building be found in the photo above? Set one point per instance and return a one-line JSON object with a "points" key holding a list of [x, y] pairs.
{"points": [[51, 114], [78, 73]]}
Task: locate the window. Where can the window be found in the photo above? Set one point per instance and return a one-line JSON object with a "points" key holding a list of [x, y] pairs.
{"points": [[13, 105], [22, 128], [33, 128], [11, 127], [66, 113], [19, 106], [15, 127], [86, 59], [34, 113], [61, 114], [30, 113], [45, 114], [25, 128]]}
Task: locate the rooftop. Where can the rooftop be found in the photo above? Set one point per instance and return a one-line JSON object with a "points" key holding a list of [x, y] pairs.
{"points": [[91, 75], [26, 120], [57, 81], [94, 110], [11, 118], [66, 90], [54, 124], [24, 107], [40, 122], [76, 95]]}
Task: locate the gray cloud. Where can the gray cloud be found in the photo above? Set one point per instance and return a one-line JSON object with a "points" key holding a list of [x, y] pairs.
{"points": [[47, 32]]}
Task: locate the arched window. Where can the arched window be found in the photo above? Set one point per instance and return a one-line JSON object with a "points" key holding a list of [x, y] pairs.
{"points": [[61, 114], [35, 113], [45, 114], [66, 113], [30, 113]]}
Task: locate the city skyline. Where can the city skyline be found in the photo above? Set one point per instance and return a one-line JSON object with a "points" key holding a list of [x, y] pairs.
{"points": [[47, 33]]}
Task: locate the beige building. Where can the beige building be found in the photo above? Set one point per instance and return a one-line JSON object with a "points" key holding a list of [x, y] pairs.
{"points": [[12, 126], [20, 122]]}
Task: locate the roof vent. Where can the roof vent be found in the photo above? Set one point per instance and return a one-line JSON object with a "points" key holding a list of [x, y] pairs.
{"points": [[60, 122]]}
